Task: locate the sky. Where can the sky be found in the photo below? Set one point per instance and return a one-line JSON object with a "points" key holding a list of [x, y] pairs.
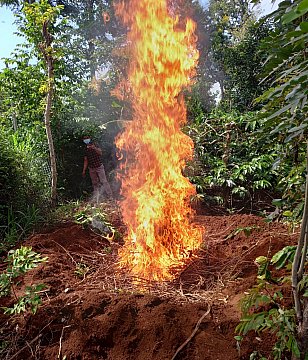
{"points": [[8, 39]]}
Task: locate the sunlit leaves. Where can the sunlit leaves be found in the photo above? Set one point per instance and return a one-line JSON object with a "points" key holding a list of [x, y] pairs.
{"points": [[286, 102], [295, 12]]}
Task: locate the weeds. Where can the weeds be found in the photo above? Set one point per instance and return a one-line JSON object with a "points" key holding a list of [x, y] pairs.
{"points": [[19, 225]]}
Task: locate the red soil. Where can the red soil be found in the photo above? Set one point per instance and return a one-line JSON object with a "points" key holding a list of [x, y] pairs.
{"points": [[101, 315]]}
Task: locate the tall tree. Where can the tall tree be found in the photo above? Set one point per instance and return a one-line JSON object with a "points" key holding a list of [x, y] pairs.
{"points": [[228, 22], [38, 25]]}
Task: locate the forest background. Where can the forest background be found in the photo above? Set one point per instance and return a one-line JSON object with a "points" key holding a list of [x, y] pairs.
{"points": [[249, 145]]}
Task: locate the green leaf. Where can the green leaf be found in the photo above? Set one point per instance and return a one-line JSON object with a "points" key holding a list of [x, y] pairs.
{"points": [[261, 260], [302, 7], [287, 213], [114, 104], [296, 128], [300, 10], [281, 257], [290, 16], [277, 202], [295, 349], [304, 26], [280, 111]]}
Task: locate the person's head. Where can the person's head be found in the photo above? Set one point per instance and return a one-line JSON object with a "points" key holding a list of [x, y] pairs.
{"points": [[86, 139]]}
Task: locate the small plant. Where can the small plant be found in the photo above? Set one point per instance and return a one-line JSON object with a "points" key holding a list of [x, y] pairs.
{"points": [[82, 270], [263, 308], [246, 230], [20, 261], [82, 217], [30, 301], [107, 249], [238, 339]]}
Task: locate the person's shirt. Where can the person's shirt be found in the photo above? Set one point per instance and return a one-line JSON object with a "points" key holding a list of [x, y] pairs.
{"points": [[94, 159]]}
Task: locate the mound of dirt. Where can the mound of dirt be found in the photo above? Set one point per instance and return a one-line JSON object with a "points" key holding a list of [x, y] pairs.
{"points": [[91, 310]]}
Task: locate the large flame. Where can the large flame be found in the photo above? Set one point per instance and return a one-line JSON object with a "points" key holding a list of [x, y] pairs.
{"points": [[163, 58]]}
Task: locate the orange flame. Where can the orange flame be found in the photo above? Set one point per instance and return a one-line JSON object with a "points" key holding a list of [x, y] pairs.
{"points": [[163, 58]]}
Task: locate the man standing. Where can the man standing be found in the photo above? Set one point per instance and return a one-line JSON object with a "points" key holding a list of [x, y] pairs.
{"points": [[93, 160]]}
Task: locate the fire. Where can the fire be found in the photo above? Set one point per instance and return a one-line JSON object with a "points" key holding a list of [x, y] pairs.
{"points": [[163, 58]]}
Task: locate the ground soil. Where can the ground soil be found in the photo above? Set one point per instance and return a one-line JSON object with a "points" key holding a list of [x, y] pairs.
{"points": [[91, 310]]}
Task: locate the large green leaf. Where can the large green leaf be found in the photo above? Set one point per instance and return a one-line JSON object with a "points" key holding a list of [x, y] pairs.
{"points": [[303, 6], [295, 13]]}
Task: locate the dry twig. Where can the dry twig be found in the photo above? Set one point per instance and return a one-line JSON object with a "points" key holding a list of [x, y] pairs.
{"points": [[193, 333], [27, 344], [31, 342], [60, 343], [74, 262]]}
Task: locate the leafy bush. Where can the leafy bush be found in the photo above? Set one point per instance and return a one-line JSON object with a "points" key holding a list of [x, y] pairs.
{"points": [[284, 113], [20, 261], [264, 308], [230, 159]]}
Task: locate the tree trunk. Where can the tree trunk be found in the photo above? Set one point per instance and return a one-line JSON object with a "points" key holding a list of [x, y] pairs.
{"points": [[14, 120], [47, 117], [46, 50], [303, 331], [298, 268]]}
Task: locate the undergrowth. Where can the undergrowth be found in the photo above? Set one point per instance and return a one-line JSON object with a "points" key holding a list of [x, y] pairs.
{"points": [[267, 306], [19, 262]]}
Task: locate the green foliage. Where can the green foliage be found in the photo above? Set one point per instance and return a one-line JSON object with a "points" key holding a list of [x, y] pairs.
{"points": [[284, 114], [235, 37], [98, 220], [243, 62], [283, 256], [230, 159], [21, 85], [82, 270], [246, 230], [25, 175], [278, 321], [23, 185], [20, 261], [19, 225], [264, 309], [30, 301], [292, 186]]}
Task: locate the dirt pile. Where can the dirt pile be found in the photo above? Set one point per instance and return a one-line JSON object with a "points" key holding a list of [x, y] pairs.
{"points": [[93, 311]]}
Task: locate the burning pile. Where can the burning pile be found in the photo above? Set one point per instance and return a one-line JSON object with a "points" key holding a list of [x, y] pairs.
{"points": [[155, 208]]}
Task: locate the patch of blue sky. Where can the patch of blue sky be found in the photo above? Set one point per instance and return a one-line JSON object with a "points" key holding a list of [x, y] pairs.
{"points": [[8, 37]]}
